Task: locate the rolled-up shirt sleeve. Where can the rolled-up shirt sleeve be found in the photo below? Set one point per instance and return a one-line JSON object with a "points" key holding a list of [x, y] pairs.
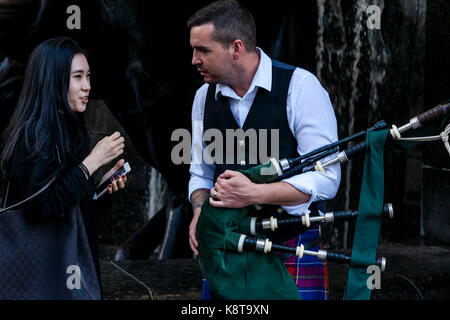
{"points": [[202, 172], [312, 120]]}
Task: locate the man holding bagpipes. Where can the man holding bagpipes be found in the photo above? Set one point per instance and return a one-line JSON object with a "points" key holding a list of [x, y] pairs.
{"points": [[247, 90]]}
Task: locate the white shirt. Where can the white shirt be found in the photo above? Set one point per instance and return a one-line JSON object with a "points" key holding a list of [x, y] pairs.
{"points": [[311, 119]]}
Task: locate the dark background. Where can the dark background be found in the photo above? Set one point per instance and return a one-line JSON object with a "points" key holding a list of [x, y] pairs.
{"points": [[143, 84]]}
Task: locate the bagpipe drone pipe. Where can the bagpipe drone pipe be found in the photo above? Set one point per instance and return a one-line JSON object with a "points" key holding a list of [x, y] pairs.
{"points": [[236, 253]]}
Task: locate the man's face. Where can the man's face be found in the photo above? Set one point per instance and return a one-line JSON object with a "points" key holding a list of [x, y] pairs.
{"points": [[213, 62]]}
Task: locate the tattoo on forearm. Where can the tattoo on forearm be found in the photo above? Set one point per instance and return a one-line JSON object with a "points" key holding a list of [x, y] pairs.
{"points": [[198, 197]]}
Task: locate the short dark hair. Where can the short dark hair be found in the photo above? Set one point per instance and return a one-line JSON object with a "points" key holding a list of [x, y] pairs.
{"points": [[231, 21]]}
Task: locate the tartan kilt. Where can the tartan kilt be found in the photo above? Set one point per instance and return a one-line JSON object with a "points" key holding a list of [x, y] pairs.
{"points": [[309, 273]]}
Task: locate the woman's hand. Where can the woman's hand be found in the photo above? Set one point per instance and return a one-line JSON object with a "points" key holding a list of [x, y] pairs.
{"points": [[116, 182], [106, 150]]}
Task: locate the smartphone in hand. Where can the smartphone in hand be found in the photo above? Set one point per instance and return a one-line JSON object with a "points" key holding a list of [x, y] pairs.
{"points": [[103, 187]]}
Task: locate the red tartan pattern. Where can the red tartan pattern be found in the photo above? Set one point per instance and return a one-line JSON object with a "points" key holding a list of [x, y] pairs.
{"points": [[310, 274]]}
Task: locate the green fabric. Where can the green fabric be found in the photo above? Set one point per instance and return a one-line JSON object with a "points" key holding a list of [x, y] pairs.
{"points": [[240, 276], [263, 173], [368, 223]]}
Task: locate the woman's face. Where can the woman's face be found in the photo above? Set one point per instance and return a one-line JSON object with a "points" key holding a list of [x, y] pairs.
{"points": [[80, 83]]}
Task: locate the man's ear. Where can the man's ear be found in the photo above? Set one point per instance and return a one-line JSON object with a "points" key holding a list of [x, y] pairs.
{"points": [[237, 48]]}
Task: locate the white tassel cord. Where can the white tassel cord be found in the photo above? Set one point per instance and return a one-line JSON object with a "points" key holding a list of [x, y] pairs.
{"points": [[443, 136]]}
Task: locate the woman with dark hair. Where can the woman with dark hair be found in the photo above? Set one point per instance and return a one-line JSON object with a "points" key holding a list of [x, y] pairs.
{"points": [[47, 138]]}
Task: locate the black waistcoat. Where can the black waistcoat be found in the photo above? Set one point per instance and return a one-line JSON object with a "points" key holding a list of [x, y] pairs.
{"points": [[268, 111]]}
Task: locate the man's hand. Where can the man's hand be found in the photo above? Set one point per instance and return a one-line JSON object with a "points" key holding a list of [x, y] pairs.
{"points": [[198, 197], [193, 243], [234, 190]]}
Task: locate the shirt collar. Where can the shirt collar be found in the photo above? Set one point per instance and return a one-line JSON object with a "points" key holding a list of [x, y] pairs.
{"points": [[262, 78]]}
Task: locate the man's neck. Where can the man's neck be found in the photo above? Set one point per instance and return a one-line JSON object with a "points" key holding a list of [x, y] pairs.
{"points": [[248, 70]]}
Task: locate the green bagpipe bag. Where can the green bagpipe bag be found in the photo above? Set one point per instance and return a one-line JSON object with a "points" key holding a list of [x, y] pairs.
{"points": [[234, 275]]}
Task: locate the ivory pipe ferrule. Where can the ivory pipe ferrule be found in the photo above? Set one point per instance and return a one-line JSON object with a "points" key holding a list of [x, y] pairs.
{"points": [[413, 124], [284, 164]]}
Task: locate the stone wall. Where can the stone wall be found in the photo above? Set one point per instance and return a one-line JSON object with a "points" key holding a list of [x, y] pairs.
{"points": [[374, 75]]}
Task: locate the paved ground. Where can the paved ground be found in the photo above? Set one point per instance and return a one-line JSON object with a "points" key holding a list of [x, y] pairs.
{"points": [[428, 267]]}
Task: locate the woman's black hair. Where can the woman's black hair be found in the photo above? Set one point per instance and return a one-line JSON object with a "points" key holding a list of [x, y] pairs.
{"points": [[43, 118]]}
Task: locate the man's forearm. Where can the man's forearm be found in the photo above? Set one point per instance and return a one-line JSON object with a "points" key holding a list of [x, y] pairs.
{"points": [[280, 193], [198, 197]]}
